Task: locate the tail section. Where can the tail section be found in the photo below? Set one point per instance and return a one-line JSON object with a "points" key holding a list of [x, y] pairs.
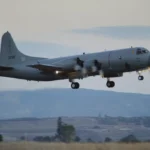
{"points": [[10, 55]]}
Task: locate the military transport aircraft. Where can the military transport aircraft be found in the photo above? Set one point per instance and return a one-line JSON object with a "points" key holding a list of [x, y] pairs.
{"points": [[107, 64]]}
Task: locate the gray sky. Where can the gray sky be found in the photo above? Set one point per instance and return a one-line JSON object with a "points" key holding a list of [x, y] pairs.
{"points": [[51, 21]]}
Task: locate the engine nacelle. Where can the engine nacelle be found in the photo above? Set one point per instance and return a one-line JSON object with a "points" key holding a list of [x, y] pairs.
{"points": [[111, 75]]}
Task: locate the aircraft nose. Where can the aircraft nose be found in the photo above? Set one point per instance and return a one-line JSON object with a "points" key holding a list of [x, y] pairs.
{"points": [[149, 60]]}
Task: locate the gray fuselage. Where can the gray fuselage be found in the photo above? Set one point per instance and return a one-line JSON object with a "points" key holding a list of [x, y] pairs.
{"points": [[112, 62]]}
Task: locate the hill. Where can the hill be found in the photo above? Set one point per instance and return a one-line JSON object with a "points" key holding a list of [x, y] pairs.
{"points": [[68, 102]]}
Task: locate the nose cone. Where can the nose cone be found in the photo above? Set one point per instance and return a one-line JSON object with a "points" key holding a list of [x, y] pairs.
{"points": [[149, 60]]}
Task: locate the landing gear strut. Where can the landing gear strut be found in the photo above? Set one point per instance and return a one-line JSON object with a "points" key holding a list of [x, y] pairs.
{"points": [[75, 85], [140, 77], [110, 84]]}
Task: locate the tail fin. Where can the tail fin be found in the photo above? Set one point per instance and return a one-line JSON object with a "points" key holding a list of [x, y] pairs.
{"points": [[10, 55]]}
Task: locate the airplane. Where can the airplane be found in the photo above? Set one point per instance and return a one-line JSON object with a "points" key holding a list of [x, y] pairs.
{"points": [[107, 64]]}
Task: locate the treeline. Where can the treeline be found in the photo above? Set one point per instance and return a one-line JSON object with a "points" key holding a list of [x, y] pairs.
{"points": [[107, 120], [128, 139], [1, 138], [67, 133]]}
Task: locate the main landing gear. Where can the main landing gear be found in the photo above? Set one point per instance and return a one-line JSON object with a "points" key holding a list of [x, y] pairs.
{"points": [[110, 84], [75, 85], [140, 77]]}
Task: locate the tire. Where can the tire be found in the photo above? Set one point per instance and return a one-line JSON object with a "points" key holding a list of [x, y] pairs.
{"points": [[110, 84], [141, 77], [75, 85]]}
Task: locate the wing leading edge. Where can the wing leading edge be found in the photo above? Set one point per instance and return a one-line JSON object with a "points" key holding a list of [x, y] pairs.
{"points": [[50, 68]]}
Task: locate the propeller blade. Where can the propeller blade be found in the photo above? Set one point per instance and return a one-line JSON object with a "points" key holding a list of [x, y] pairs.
{"points": [[84, 71], [101, 73], [94, 68], [77, 67]]}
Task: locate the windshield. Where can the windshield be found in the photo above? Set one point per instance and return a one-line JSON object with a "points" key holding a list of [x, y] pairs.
{"points": [[141, 51]]}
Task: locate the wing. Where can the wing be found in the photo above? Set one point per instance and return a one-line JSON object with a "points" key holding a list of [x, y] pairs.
{"points": [[5, 68], [50, 68]]}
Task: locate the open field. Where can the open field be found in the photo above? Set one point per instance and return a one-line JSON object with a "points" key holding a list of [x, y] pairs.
{"points": [[73, 146]]}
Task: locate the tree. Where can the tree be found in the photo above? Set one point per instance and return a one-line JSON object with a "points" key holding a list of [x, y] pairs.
{"points": [[59, 128], [107, 139], [129, 139], [89, 140], [68, 133], [38, 138], [65, 132], [47, 139], [22, 138], [77, 139], [1, 138]]}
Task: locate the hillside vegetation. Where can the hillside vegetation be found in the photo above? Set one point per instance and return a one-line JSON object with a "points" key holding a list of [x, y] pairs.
{"points": [[72, 146]]}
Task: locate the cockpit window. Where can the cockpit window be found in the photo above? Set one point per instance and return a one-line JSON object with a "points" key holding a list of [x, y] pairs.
{"points": [[141, 51], [138, 51]]}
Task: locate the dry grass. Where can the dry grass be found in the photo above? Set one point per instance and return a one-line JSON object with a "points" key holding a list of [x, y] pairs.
{"points": [[73, 146]]}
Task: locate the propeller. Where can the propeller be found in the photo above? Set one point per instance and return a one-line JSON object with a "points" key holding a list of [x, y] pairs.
{"points": [[101, 73], [77, 67], [84, 71], [80, 62], [97, 66], [94, 68], [80, 67]]}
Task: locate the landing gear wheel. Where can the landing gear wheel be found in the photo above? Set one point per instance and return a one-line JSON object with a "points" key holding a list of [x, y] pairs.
{"points": [[75, 85], [110, 84], [140, 77]]}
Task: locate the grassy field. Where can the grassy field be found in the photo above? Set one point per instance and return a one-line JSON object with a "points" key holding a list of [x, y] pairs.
{"points": [[73, 146]]}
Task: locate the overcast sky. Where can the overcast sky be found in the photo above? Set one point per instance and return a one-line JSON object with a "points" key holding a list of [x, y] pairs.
{"points": [[50, 24]]}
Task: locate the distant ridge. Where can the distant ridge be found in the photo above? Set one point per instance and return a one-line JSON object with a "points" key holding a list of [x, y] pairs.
{"points": [[68, 102]]}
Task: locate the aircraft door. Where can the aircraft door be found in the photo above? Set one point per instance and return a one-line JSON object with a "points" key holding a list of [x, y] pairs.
{"points": [[116, 61]]}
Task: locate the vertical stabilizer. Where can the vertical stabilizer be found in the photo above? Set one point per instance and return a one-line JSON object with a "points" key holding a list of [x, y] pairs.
{"points": [[10, 55]]}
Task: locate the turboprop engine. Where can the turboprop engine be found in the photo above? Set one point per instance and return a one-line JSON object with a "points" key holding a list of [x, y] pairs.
{"points": [[97, 67], [80, 67]]}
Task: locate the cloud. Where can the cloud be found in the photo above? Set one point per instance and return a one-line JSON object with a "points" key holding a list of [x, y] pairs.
{"points": [[118, 32]]}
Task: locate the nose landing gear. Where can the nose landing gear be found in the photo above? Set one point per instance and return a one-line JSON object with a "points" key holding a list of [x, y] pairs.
{"points": [[140, 77]]}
